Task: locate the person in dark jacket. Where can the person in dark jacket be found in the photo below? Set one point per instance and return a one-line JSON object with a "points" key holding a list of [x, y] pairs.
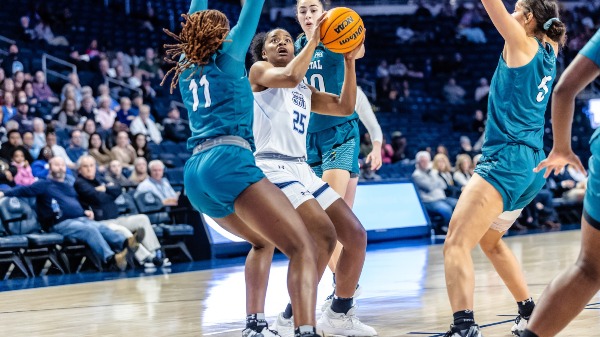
{"points": [[59, 211], [100, 197]]}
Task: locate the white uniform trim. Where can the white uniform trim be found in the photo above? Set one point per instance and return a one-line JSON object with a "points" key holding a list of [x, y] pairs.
{"points": [[505, 220]]}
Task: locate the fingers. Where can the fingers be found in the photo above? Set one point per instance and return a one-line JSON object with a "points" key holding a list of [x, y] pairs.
{"points": [[542, 165], [321, 18], [578, 165]]}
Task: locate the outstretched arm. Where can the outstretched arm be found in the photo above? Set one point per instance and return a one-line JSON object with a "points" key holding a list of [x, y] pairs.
{"points": [[241, 35], [367, 117], [198, 5], [510, 29]]}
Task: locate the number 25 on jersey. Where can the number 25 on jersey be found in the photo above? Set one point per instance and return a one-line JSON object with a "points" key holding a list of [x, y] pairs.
{"points": [[194, 89]]}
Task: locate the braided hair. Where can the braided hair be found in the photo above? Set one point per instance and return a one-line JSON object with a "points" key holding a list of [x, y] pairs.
{"points": [[202, 35]]}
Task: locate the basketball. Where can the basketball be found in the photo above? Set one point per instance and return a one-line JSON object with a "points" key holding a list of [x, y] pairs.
{"points": [[342, 31]]}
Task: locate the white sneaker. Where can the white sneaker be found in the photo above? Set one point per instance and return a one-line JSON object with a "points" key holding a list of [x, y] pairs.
{"points": [[332, 323], [265, 332], [519, 326], [329, 298], [283, 326]]}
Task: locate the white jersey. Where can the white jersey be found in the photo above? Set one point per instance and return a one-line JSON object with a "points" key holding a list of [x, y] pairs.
{"points": [[281, 117]]}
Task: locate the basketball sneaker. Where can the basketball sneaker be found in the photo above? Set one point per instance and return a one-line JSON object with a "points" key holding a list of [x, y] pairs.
{"points": [[265, 332], [329, 298], [333, 323], [283, 326], [519, 326], [472, 331]]}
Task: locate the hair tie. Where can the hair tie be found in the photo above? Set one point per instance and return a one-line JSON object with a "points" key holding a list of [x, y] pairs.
{"points": [[549, 23]]}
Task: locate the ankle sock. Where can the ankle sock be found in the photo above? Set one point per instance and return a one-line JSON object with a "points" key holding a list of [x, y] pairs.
{"points": [[526, 307], [463, 319], [287, 313], [256, 322], [528, 333], [305, 330], [341, 305]]}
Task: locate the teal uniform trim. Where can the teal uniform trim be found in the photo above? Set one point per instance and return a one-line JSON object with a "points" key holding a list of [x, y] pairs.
{"points": [[591, 49]]}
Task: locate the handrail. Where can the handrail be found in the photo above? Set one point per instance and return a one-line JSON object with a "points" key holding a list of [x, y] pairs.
{"points": [[7, 40], [124, 85], [369, 88], [48, 57]]}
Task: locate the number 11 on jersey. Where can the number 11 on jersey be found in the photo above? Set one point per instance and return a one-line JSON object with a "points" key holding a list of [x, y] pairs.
{"points": [[194, 89]]}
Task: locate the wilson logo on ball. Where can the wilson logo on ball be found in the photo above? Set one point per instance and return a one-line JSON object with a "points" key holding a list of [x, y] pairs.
{"points": [[342, 30]]}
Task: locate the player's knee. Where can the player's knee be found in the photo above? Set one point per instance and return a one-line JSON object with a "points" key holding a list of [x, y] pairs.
{"points": [[303, 247], [490, 248]]}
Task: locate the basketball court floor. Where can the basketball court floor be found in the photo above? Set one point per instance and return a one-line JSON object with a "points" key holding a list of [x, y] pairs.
{"points": [[403, 295]]}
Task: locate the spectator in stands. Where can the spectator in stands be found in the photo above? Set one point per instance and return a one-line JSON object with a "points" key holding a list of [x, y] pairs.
{"points": [[26, 33], [41, 90], [13, 63], [441, 166], [75, 150], [442, 149], [100, 197], [140, 170], [431, 189], [39, 133], [14, 142], [126, 114], [140, 145], [114, 175], [382, 70], [69, 92], [399, 143], [123, 151], [24, 176], [465, 146], [8, 85], [98, 150], [464, 169], [22, 117], [8, 108], [124, 62], [44, 32], [103, 92], [147, 91], [89, 128], [88, 109], [482, 91], [7, 174], [387, 152], [105, 115], [28, 144], [478, 124], [19, 80], [57, 150], [398, 69], [92, 50], [68, 117], [70, 219], [568, 184], [151, 65], [175, 128], [144, 125], [133, 58], [28, 88], [454, 93], [158, 184]]}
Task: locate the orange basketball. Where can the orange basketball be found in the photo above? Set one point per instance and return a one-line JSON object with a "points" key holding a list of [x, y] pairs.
{"points": [[342, 30]]}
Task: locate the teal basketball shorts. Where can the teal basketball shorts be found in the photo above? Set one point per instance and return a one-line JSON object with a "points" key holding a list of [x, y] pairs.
{"points": [[591, 203], [334, 148], [216, 177], [510, 171]]}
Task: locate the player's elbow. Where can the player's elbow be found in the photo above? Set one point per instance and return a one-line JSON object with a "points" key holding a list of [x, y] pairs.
{"points": [[563, 91], [292, 78]]}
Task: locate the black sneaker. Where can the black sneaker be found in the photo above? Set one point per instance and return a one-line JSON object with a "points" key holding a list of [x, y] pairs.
{"points": [[472, 331]]}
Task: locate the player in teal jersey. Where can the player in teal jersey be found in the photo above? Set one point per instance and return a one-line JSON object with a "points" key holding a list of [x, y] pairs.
{"points": [[504, 181], [333, 143], [566, 296], [221, 178]]}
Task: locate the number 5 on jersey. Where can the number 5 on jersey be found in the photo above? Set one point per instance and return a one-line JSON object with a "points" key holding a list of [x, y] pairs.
{"points": [[194, 89]]}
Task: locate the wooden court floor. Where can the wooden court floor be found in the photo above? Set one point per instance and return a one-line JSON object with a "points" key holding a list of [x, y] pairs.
{"points": [[403, 295]]}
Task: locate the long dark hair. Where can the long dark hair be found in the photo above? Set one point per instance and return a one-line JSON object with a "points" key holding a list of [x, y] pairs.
{"points": [[543, 11], [202, 35]]}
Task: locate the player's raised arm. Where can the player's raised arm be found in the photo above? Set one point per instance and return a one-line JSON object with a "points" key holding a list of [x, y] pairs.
{"points": [[198, 5]]}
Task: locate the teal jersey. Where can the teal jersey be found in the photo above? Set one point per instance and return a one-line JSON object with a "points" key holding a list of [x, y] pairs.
{"points": [[325, 73], [592, 49], [218, 96], [517, 102]]}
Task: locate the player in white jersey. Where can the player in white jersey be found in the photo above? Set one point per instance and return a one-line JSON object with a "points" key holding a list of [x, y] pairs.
{"points": [[282, 106]]}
